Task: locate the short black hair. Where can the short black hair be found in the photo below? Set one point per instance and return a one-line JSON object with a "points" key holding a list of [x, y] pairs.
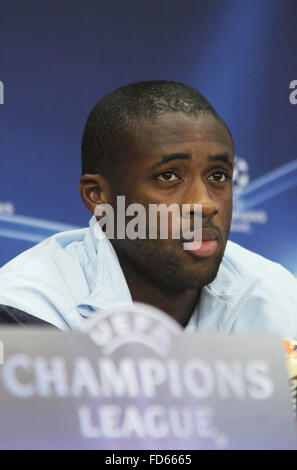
{"points": [[113, 122]]}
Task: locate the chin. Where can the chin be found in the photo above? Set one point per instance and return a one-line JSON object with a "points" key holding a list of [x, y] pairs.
{"points": [[182, 279], [202, 274]]}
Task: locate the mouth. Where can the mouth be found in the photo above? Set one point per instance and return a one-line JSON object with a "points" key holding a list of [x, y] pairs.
{"points": [[204, 248]]}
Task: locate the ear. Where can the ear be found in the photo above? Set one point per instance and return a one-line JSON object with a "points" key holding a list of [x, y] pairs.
{"points": [[94, 190]]}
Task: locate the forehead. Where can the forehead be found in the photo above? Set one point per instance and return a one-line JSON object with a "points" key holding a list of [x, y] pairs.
{"points": [[179, 130]]}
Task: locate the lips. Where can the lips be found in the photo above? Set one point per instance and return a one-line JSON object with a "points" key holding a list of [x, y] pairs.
{"points": [[205, 248]]}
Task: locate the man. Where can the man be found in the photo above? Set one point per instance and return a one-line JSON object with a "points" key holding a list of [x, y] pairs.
{"points": [[154, 142]]}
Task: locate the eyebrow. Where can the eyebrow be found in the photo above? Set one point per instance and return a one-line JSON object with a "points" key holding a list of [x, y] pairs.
{"points": [[172, 156], [185, 156], [222, 158]]}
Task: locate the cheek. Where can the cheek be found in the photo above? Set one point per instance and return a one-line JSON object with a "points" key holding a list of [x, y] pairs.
{"points": [[224, 201], [223, 219], [163, 225], [149, 192]]}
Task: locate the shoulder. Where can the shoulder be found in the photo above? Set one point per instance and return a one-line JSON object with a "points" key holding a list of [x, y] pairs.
{"points": [[247, 265], [267, 293], [51, 248], [49, 278]]}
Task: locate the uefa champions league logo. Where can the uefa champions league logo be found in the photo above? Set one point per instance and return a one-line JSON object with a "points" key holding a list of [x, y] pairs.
{"points": [[242, 218], [136, 324], [241, 175], [249, 195]]}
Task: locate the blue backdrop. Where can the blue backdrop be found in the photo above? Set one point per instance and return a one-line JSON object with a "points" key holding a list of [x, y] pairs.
{"points": [[58, 58]]}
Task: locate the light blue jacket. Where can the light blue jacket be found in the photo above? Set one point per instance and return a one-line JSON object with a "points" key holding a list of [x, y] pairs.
{"points": [[76, 274]]}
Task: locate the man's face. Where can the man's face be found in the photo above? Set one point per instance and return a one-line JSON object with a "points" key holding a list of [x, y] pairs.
{"points": [[182, 160]]}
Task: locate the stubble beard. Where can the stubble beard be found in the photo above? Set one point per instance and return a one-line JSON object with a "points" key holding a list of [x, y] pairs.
{"points": [[161, 266]]}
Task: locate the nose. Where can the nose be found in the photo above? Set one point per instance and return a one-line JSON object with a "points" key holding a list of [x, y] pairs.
{"points": [[198, 194]]}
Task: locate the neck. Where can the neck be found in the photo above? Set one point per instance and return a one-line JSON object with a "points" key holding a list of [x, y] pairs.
{"points": [[178, 304]]}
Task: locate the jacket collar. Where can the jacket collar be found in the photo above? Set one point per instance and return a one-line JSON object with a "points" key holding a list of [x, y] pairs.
{"points": [[222, 300], [108, 286]]}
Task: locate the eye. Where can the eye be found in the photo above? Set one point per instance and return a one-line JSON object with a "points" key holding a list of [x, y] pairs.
{"points": [[167, 176], [219, 177]]}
